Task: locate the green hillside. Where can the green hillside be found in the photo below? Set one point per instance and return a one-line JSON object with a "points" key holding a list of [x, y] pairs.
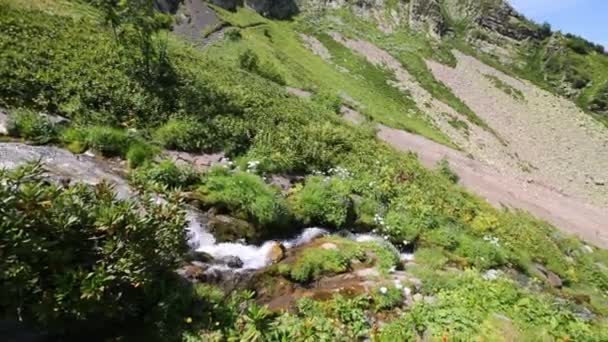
{"points": [[79, 263]]}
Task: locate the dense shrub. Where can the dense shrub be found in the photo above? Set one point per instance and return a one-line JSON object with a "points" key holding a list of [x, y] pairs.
{"points": [[184, 135], [108, 141], [76, 260], [167, 174], [32, 126], [387, 298], [249, 61], [322, 201], [599, 102], [139, 153], [315, 262], [245, 195]]}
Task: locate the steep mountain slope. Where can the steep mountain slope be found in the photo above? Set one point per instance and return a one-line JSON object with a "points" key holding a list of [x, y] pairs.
{"points": [[232, 135]]}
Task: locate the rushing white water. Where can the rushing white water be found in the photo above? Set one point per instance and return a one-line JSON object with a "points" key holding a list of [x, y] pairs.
{"points": [[256, 257], [253, 257]]}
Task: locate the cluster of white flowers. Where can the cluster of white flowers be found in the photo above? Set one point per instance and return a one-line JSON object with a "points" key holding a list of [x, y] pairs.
{"points": [[492, 240], [227, 163], [340, 172], [252, 166], [491, 275], [379, 220]]}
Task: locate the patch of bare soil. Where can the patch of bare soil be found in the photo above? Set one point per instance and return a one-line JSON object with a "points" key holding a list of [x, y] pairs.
{"points": [[554, 160], [314, 45], [561, 146], [471, 138], [193, 17], [570, 214]]}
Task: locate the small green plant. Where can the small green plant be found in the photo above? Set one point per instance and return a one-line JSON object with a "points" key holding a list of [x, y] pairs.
{"points": [[109, 141], [315, 262], [166, 173], [387, 297], [32, 126], [139, 153], [328, 100], [322, 201], [184, 135], [443, 166], [233, 34], [433, 258]]}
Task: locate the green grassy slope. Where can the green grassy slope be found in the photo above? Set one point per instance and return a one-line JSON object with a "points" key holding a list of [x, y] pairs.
{"points": [[56, 60]]}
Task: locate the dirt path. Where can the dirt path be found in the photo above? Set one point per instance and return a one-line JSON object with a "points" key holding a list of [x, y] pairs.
{"points": [[571, 215]]}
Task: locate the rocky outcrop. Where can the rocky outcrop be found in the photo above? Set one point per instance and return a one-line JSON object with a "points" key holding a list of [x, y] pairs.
{"points": [[496, 16], [277, 9], [425, 15], [226, 4]]}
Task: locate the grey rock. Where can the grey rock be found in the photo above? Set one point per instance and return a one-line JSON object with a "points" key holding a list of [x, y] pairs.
{"points": [[232, 261], [226, 4], [192, 273], [61, 165], [276, 9], [198, 161], [195, 256], [552, 278], [426, 15]]}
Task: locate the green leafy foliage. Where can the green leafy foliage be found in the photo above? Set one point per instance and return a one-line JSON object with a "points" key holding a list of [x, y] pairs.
{"points": [[250, 61], [140, 153], [456, 314], [322, 201], [167, 174], [76, 259], [32, 126], [184, 135], [108, 141], [244, 194], [387, 298], [328, 100]]}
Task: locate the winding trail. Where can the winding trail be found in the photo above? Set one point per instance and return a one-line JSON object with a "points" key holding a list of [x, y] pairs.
{"points": [[570, 214]]}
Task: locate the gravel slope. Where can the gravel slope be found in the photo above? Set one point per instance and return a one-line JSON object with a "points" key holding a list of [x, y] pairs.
{"points": [[567, 149], [571, 215]]}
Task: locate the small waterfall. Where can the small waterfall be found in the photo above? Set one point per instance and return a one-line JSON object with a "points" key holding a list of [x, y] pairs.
{"points": [[257, 257]]}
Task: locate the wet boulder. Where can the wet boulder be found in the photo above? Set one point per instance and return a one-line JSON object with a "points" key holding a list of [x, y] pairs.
{"points": [[231, 261], [229, 229], [199, 257], [276, 252]]}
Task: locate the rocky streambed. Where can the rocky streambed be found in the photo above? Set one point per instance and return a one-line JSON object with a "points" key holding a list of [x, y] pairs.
{"points": [[228, 264]]}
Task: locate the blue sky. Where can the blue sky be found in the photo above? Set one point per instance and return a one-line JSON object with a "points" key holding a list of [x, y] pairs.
{"points": [[587, 18]]}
